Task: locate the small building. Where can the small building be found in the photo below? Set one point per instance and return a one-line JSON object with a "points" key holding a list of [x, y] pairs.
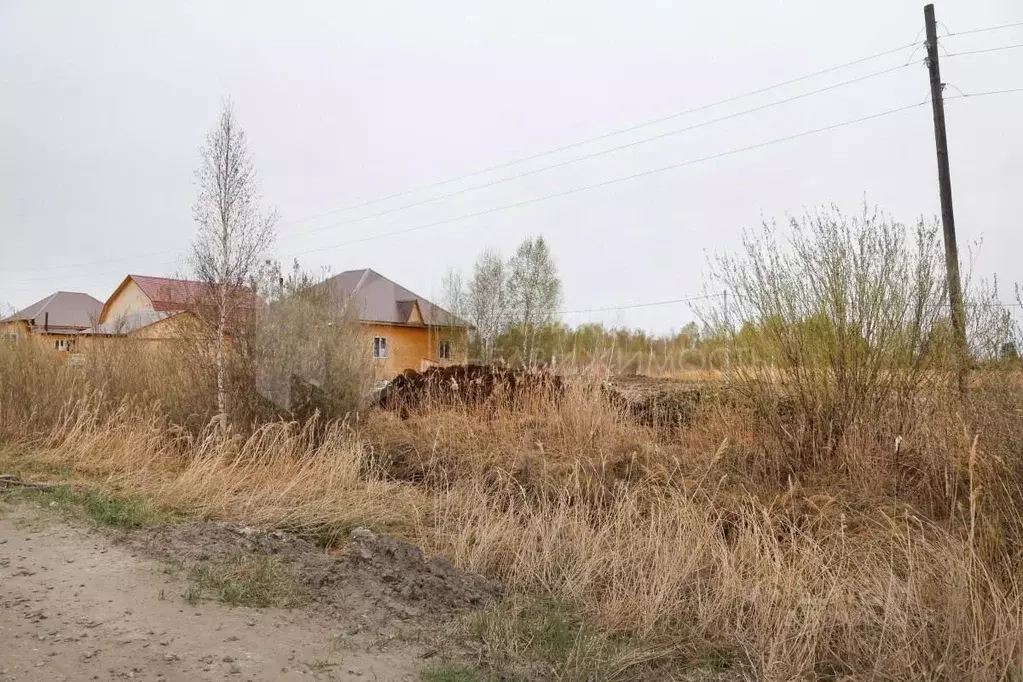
{"points": [[55, 320], [407, 331]]}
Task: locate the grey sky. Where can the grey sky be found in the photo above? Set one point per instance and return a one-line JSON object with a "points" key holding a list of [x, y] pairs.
{"points": [[103, 107]]}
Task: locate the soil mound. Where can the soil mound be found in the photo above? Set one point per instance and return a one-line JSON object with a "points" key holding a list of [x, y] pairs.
{"points": [[381, 579], [466, 385]]}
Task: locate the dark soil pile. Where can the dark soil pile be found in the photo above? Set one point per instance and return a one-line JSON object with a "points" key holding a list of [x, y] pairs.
{"points": [[466, 385]]}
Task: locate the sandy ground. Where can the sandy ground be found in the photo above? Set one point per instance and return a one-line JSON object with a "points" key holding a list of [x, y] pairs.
{"points": [[76, 606]]}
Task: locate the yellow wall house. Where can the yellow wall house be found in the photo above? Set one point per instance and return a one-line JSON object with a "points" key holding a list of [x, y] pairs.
{"points": [[149, 309], [55, 320], [407, 331]]}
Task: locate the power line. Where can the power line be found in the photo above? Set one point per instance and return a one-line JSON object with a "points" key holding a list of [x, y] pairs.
{"points": [[603, 136], [649, 304], [633, 176], [984, 30], [641, 174], [965, 95], [612, 181], [602, 152], [985, 50], [565, 148], [101, 262]]}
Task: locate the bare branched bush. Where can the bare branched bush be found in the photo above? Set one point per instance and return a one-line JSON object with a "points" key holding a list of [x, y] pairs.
{"points": [[836, 322], [310, 355]]}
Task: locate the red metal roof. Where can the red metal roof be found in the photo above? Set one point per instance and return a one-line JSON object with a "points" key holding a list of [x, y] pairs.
{"points": [[170, 294], [183, 294]]}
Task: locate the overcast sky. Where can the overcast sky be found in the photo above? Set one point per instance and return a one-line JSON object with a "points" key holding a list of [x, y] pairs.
{"points": [[103, 107]]}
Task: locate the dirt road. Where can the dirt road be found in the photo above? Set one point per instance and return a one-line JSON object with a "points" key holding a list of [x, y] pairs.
{"points": [[76, 606]]}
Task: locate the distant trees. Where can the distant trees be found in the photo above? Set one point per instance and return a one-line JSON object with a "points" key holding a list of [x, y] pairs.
{"points": [[519, 295], [234, 236], [487, 300], [534, 291]]}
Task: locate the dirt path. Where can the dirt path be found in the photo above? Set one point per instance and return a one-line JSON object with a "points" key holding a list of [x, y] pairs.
{"points": [[76, 606]]}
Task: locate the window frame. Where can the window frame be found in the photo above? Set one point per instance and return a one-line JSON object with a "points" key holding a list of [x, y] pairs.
{"points": [[379, 347], [58, 343], [444, 350]]}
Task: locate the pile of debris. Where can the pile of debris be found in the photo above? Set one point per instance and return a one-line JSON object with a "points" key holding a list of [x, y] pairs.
{"points": [[655, 402], [467, 385]]}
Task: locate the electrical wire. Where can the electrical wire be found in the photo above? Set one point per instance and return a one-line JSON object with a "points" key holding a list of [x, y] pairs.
{"points": [[648, 304], [603, 136], [565, 148], [965, 95], [985, 30], [611, 181], [602, 152], [985, 50], [629, 177]]}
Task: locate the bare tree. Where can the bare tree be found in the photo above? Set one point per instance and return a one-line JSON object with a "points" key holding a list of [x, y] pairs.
{"points": [[453, 294], [534, 291], [486, 300], [234, 236]]}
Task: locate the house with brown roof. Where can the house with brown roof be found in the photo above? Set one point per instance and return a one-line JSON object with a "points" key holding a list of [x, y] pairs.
{"points": [[55, 320], [407, 330]]}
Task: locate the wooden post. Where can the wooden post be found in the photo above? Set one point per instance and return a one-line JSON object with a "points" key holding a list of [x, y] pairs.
{"points": [[955, 289]]}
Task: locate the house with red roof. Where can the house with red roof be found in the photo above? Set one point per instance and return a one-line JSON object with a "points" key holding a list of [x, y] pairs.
{"points": [[159, 307]]}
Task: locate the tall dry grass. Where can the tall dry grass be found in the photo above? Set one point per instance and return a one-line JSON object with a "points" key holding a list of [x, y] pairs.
{"points": [[677, 546]]}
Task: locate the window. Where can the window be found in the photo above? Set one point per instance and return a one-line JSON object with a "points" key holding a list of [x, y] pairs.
{"points": [[379, 347], [445, 350], [11, 336], [62, 344]]}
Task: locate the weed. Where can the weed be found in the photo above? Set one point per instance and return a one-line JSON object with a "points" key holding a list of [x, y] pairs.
{"points": [[133, 511], [193, 594], [542, 632], [452, 672], [244, 580]]}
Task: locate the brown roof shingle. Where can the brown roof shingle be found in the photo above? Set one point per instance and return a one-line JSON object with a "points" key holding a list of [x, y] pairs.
{"points": [[63, 310], [383, 300]]}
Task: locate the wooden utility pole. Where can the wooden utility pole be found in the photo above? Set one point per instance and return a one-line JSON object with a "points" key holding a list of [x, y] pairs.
{"points": [[955, 287]]}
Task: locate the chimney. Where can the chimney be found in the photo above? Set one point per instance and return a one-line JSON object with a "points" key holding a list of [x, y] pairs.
{"points": [[46, 322]]}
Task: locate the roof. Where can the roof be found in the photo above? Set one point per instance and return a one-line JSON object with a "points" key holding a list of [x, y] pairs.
{"points": [[383, 300], [132, 322], [66, 310], [167, 294]]}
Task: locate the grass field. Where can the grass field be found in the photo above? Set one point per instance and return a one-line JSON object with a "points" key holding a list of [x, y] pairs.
{"points": [[628, 551]]}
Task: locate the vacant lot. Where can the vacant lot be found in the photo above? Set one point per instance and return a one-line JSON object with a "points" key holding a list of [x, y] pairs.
{"points": [[748, 533]]}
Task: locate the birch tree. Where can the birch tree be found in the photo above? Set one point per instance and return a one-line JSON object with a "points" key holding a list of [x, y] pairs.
{"points": [[234, 237], [534, 291], [486, 300], [453, 294]]}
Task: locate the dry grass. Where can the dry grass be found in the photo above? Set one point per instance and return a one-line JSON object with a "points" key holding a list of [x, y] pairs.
{"points": [[670, 549]]}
